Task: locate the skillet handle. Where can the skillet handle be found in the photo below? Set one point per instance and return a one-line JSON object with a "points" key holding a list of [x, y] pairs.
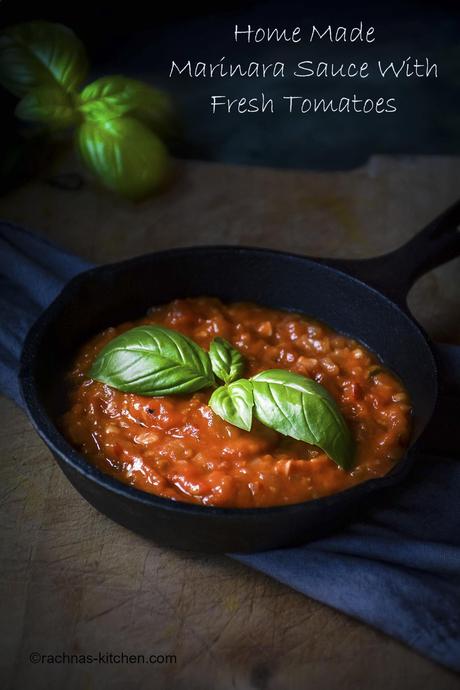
{"points": [[394, 273]]}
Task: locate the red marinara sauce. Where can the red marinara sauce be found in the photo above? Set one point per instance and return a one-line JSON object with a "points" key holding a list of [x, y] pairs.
{"points": [[178, 448]]}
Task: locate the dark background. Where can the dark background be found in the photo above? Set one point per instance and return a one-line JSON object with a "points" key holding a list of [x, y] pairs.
{"points": [[140, 40]]}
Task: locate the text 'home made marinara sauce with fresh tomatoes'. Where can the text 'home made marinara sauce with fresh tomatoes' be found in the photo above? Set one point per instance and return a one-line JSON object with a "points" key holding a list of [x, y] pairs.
{"points": [[176, 447]]}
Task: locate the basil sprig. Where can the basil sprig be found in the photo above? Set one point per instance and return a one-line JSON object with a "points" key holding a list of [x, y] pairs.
{"points": [[153, 360], [227, 363], [120, 123]]}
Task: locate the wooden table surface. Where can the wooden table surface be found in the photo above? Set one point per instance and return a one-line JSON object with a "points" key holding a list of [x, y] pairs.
{"points": [[72, 581]]}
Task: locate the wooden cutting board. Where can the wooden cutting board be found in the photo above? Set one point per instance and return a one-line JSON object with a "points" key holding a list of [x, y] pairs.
{"points": [[72, 581]]}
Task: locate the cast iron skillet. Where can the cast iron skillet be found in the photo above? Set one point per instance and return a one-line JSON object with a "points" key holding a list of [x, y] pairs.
{"points": [[362, 298]]}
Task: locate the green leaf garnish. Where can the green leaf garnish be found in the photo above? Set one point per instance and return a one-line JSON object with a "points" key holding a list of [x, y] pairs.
{"points": [[234, 403], [153, 361], [227, 363], [299, 407], [156, 361]]}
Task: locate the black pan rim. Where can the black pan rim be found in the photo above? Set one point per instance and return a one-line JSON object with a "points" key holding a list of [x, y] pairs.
{"points": [[57, 443]]}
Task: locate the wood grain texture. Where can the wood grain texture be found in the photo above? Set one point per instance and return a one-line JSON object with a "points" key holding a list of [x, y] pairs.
{"points": [[73, 581]]}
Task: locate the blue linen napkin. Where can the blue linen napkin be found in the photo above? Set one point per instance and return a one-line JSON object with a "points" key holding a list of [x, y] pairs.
{"points": [[397, 568]]}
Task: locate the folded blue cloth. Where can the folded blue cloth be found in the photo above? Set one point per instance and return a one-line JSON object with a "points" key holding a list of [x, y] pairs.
{"points": [[397, 568]]}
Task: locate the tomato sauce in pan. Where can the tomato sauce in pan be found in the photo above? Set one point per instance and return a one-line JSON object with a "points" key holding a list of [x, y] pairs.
{"points": [[178, 448]]}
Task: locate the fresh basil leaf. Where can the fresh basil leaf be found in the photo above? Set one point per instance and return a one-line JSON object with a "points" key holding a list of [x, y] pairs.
{"points": [[124, 155], [41, 54], [299, 407], [227, 363], [114, 96], [234, 403], [48, 105], [153, 361]]}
